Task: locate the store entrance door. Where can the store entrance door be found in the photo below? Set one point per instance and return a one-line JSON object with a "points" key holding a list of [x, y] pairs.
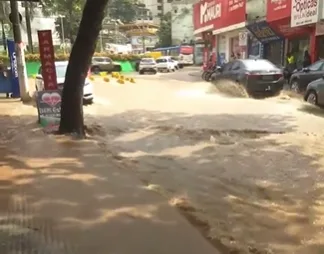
{"points": [[273, 52]]}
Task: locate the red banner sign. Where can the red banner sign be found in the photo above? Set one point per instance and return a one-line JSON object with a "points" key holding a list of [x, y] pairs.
{"points": [[47, 57], [278, 9], [218, 13]]}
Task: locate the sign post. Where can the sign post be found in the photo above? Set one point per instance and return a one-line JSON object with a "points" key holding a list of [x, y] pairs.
{"points": [[47, 57], [14, 77], [49, 100], [49, 109]]}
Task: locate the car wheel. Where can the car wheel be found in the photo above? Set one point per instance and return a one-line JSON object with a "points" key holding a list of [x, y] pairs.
{"points": [[154, 72], [295, 86], [95, 70], [141, 72], [312, 97], [88, 102], [117, 68]]}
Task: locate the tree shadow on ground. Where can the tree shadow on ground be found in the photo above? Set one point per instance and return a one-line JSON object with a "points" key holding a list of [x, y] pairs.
{"points": [[247, 181], [63, 196]]}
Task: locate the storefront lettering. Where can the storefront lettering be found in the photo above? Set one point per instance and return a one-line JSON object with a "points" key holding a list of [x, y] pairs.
{"points": [[233, 5], [304, 12], [209, 11], [263, 32], [14, 64], [47, 58], [280, 4]]}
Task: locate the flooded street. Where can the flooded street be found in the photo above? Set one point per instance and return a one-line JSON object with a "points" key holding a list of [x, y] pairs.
{"points": [[247, 173]]}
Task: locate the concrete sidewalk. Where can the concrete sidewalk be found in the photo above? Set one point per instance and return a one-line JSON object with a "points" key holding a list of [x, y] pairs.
{"points": [[68, 197]]}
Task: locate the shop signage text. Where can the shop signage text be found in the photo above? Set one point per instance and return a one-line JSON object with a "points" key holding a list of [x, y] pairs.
{"points": [[46, 51], [279, 4], [263, 32], [210, 11], [304, 12], [233, 5]]}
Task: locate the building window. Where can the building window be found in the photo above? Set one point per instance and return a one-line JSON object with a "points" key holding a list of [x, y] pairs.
{"points": [[159, 8], [159, 1], [169, 1]]}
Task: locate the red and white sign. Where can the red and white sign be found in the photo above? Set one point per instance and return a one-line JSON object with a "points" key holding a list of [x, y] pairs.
{"points": [[47, 57], [304, 12], [278, 9], [218, 14]]}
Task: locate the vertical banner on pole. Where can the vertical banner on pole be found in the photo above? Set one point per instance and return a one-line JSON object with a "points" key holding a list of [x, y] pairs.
{"points": [[46, 51], [14, 70]]}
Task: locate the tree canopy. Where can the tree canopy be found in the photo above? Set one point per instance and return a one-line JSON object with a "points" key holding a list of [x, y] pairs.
{"points": [[164, 33], [71, 10], [125, 10]]}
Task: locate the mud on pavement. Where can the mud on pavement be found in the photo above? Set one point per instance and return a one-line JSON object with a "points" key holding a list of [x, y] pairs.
{"points": [[247, 190]]}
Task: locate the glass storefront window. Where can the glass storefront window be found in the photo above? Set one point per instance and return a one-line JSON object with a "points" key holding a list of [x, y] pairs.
{"points": [[199, 54], [298, 47]]}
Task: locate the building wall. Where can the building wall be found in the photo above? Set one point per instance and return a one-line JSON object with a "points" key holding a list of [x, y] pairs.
{"points": [[182, 23], [224, 42], [39, 22]]}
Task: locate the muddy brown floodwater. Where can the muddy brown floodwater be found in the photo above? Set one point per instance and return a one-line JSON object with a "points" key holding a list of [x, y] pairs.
{"points": [[248, 173]]}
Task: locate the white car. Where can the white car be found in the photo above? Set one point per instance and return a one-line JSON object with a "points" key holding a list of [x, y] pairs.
{"points": [[147, 65], [165, 64], [60, 76]]}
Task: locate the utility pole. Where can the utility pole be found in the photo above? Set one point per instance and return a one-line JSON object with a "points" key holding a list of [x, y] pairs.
{"points": [[143, 37], [28, 26], [21, 66]]}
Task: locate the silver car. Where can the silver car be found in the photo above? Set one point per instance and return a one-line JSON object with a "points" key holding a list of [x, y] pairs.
{"points": [[315, 92]]}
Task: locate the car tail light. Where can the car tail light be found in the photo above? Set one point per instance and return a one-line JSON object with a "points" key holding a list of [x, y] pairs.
{"points": [[278, 76], [251, 75]]}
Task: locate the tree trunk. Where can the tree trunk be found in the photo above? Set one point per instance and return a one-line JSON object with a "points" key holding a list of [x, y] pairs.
{"points": [[28, 26], [77, 70]]}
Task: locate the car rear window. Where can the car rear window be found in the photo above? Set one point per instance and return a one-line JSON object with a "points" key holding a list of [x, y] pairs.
{"points": [[256, 65], [161, 60]]}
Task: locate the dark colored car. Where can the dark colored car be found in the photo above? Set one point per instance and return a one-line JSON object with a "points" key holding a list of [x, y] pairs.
{"points": [[315, 92], [258, 76], [301, 78], [99, 64]]}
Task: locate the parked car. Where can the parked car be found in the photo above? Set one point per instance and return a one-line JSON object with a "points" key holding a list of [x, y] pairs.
{"points": [[301, 78], [99, 64], [176, 62], [60, 68], [258, 76], [165, 64], [147, 65], [315, 92]]}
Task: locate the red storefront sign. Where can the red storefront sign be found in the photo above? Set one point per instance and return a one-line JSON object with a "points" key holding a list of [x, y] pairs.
{"points": [[278, 17], [46, 51], [278, 9], [218, 14]]}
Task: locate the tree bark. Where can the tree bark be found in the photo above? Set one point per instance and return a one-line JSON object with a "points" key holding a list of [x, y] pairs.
{"points": [[77, 70]]}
